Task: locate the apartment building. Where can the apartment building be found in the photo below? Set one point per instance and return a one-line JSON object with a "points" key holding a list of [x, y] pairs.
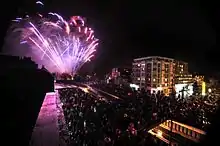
{"points": [[154, 73]]}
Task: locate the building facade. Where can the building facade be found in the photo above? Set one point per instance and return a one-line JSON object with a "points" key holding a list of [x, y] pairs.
{"points": [[160, 73], [120, 75], [183, 79], [154, 73], [181, 68], [182, 75]]}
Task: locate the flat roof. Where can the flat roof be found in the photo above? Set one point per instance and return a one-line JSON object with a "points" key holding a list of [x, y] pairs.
{"points": [[150, 57], [46, 132]]}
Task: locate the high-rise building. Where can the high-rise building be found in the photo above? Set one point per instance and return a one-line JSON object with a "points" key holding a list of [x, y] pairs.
{"points": [[154, 73], [160, 73]]}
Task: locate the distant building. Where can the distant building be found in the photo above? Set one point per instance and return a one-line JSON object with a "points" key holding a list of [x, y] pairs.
{"points": [[199, 85], [199, 79], [184, 79], [160, 73], [181, 68], [154, 73], [120, 75], [182, 75]]}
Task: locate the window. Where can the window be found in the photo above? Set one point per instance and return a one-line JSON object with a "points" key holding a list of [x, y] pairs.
{"points": [[154, 80], [138, 79]]}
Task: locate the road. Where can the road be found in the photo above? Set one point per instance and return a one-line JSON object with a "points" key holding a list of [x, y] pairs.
{"points": [[101, 95]]}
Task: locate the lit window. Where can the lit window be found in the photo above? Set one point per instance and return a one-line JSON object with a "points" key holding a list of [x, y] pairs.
{"points": [[139, 65], [154, 80], [165, 84], [148, 79], [143, 79], [181, 69], [142, 68], [165, 80], [138, 79], [143, 64]]}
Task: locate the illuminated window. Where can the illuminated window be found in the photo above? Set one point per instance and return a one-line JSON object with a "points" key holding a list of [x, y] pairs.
{"points": [[181, 69], [165, 84], [154, 80], [165, 79], [138, 79], [143, 64], [148, 79], [139, 65], [142, 68], [143, 79]]}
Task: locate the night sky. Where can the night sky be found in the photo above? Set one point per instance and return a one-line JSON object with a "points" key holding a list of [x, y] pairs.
{"points": [[128, 30]]}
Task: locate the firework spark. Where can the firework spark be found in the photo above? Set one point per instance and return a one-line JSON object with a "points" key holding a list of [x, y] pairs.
{"points": [[61, 46]]}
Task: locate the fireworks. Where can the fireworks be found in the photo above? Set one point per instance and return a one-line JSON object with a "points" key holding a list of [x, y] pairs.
{"points": [[61, 46]]}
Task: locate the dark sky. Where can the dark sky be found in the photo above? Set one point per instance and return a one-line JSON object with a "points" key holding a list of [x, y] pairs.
{"points": [[130, 29]]}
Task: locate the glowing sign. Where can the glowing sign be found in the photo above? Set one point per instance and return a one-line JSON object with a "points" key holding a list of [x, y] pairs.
{"points": [[184, 89]]}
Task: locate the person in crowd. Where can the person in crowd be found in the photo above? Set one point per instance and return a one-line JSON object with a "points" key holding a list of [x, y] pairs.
{"points": [[91, 121]]}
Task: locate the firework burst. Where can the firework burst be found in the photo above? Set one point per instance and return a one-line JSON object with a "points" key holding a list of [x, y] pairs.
{"points": [[61, 46]]}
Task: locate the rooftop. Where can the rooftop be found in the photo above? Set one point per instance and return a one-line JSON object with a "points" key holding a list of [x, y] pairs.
{"points": [[151, 57], [46, 132]]}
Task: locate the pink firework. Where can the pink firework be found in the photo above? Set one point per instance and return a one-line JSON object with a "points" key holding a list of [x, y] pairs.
{"points": [[61, 46]]}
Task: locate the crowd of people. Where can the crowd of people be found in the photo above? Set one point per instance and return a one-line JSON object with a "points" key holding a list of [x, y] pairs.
{"points": [[91, 121], [195, 111]]}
